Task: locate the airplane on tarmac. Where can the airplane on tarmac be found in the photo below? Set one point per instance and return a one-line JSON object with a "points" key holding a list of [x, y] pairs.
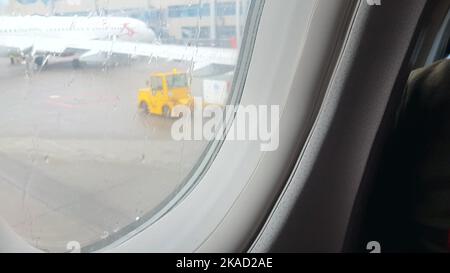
{"points": [[35, 39]]}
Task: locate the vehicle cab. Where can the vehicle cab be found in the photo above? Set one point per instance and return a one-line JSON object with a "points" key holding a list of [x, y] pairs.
{"points": [[164, 92]]}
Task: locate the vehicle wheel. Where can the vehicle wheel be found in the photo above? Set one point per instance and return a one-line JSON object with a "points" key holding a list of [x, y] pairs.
{"points": [[39, 61], [76, 63], [166, 111], [143, 106]]}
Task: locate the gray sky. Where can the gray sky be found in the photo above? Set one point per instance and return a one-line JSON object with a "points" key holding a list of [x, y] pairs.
{"points": [[4, 2]]}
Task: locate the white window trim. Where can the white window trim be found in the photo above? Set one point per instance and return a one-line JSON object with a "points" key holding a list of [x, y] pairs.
{"points": [[223, 211], [227, 206]]}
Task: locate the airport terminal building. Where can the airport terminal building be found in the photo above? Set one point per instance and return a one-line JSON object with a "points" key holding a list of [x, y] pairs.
{"points": [[208, 22]]}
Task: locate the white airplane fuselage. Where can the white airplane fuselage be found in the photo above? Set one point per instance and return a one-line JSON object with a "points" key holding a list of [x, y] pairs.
{"points": [[74, 28]]}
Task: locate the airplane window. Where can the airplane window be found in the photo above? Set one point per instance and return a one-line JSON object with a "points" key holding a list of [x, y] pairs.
{"points": [[79, 161]]}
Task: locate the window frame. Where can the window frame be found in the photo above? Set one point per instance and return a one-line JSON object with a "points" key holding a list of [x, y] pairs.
{"points": [[223, 208]]}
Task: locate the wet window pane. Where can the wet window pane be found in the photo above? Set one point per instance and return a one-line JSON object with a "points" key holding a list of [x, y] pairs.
{"points": [[85, 143]]}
